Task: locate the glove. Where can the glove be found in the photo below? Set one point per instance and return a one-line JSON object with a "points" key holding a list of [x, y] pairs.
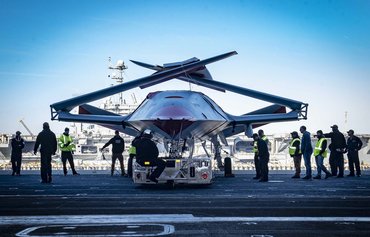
{"points": [[72, 152], [67, 144], [34, 152]]}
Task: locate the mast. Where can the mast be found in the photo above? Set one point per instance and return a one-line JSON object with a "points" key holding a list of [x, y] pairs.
{"points": [[117, 74]]}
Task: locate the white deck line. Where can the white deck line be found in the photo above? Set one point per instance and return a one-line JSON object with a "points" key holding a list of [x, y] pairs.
{"points": [[156, 218]]}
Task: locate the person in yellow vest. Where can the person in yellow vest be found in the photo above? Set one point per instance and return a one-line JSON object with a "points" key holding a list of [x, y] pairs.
{"points": [[320, 152], [262, 135], [67, 148], [132, 155], [256, 156], [296, 154], [263, 156]]}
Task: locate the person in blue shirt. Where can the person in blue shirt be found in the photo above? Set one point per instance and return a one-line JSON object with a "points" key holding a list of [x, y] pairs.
{"points": [[354, 144], [306, 149]]}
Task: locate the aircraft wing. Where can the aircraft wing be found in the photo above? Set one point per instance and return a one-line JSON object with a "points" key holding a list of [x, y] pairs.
{"points": [[69, 104], [265, 118], [91, 118], [293, 104], [200, 74], [91, 114], [246, 123]]}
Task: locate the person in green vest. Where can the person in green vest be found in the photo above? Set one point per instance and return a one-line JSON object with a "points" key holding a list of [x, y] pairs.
{"points": [[264, 157], [262, 135], [132, 155], [296, 154], [320, 152], [257, 162], [67, 148]]}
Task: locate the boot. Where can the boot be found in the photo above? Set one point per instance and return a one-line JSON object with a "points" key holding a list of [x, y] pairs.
{"points": [[327, 175]]}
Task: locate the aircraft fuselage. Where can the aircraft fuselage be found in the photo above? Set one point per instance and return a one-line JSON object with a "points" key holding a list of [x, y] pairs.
{"points": [[179, 114]]}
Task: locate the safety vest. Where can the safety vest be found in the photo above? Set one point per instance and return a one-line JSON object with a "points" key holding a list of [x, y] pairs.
{"points": [[292, 149], [63, 139], [132, 150], [318, 148], [255, 147], [264, 137]]}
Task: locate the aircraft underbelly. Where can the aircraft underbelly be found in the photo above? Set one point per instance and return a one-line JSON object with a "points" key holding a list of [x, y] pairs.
{"points": [[181, 128]]}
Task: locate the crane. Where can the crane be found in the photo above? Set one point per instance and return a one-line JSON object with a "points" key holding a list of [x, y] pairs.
{"points": [[25, 126]]}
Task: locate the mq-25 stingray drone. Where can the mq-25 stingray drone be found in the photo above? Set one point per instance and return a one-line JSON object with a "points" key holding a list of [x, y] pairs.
{"points": [[179, 118]]}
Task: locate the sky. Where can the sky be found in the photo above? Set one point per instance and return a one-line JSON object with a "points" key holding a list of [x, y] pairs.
{"points": [[317, 52]]}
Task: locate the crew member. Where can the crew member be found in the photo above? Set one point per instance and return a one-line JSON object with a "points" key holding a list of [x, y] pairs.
{"points": [[16, 156], [306, 149], [132, 155], [354, 144], [256, 157], [256, 161], [262, 135], [320, 153], [263, 155], [48, 141], [118, 146], [296, 154], [67, 147], [147, 151], [337, 148]]}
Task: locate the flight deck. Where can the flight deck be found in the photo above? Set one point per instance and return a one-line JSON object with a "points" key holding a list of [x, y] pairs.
{"points": [[96, 204]]}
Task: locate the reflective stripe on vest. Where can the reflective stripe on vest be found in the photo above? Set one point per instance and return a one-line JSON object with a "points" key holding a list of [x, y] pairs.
{"points": [[292, 149], [318, 148], [264, 137]]}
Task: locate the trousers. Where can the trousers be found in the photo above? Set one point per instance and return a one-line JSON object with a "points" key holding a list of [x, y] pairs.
{"points": [[257, 165], [297, 164], [336, 161], [320, 165], [354, 159], [67, 155], [307, 163], [118, 156]]}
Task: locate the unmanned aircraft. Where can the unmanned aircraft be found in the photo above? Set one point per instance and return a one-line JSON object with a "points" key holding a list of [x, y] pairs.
{"points": [[180, 118]]}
